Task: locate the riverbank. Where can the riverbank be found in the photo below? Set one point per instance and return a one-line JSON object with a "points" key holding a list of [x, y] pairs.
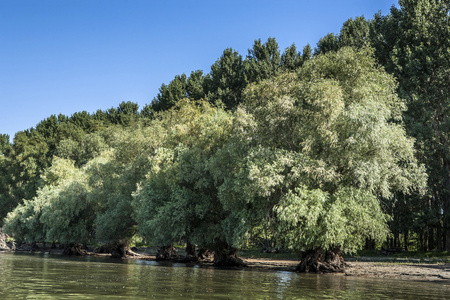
{"points": [[365, 266], [404, 271]]}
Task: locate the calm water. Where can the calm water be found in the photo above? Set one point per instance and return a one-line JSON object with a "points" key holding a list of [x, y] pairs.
{"points": [[42, 276]]}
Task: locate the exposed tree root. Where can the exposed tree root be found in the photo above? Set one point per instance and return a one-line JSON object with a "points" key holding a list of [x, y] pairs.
{"points": [[166, 253], [228, 258], [320, 261], [75, 249], [3, 244]]}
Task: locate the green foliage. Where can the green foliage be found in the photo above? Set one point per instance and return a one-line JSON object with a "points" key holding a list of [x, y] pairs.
{"points": [[180, 87], [330, 135], [114, 177], [263, 60], [127, 114], [412, 43], [170, 94], [328, 43], [311, 151], [311, 219], [355, 33], [5, 146], [59, 210], [24, 221], [87, 148], [227, 79], [178, 200]]}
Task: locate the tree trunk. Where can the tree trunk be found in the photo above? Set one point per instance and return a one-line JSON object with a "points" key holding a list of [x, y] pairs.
{"points": [[431, 245], [406, 240], [425, 240], [439, 236], [320, 261], [166, 253], [117, 249], [228, 257], [446, 207], [74, 249], [370, 244], [447, 240], [205, 254], [3, 244], [190, 249], [190, 253]]}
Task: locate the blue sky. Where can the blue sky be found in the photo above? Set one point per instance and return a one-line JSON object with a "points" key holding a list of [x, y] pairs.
{"points": [[64, 56]]}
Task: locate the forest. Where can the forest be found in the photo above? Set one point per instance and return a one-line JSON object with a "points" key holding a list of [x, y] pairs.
{"points": [[319, 151]]}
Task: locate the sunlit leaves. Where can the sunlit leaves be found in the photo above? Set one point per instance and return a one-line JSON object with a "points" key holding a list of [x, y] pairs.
{"points": [[323, 145]]}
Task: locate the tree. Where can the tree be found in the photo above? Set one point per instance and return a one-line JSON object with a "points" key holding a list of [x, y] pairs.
{"points": [[328, 43], [192, 87], [178, 201], [411, 43], [59, 211], [170, 94], [90, 146], [5, 146], [67, 214], [324, 147], [355, 33], [227, 79], [114, 180], [420, 60], [263, 60], [292, 60], [126, 114], [195, 86]]}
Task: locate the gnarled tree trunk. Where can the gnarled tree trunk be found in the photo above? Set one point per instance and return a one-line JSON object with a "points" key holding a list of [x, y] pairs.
{"points": [[166, 253], [320, 261], [117, 249], [190, 253], [74, 249], [3, 244], [205, 254], [228, 257]]}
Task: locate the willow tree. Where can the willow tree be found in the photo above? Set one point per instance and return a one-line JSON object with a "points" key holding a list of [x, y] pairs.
{"points": [[115, 178], [68, 215], [178, 201], [60, 210], [324, 147]]}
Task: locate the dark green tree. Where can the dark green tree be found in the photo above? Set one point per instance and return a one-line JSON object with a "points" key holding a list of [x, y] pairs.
{"points": [[5, 145], [263, 60], [421, 62], [355, 33], [328, 43], [170, 94], [195, 85], [227, 79]]}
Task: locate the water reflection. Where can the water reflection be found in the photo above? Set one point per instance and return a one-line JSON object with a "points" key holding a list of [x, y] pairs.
{"points": [[37, 276]]}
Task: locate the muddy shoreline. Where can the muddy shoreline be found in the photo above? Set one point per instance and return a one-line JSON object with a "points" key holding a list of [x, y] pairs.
{"points": [[438, 272], [431, 272]]}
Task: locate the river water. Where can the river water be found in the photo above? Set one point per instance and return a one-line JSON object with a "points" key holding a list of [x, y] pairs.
{"points": [[44, 276]]}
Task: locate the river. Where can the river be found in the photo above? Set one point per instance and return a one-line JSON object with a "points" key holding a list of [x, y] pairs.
{"points": [[45, 276]]}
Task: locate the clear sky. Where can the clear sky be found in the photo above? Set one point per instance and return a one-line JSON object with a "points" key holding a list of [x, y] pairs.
{"points": [[64, 56]]}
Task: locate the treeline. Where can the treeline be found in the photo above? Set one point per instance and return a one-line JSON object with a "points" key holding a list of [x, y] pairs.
{"points": [[308, 150]]}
